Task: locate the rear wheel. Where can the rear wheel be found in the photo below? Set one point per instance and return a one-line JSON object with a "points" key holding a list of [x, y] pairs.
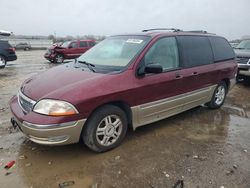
{"points": [[2, 62], [59, 58], [219, 96], [105, 129]]}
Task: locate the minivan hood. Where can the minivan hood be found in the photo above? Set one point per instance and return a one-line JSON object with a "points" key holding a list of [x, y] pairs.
{"points": [[57, 81], [242, 52], [56, 47]]}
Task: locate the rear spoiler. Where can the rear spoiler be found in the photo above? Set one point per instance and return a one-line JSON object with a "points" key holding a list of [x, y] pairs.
{"points": [[5, 33]]}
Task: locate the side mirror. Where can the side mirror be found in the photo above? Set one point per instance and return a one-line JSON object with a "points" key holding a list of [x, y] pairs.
{"points": [[70, 46], [153, 68]]}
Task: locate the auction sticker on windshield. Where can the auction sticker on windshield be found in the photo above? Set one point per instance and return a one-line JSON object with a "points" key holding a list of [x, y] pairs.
{"points": [[135, 41]]}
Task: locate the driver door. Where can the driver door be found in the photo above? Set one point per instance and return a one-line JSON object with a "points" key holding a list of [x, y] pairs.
{"points": [[158, 95]]}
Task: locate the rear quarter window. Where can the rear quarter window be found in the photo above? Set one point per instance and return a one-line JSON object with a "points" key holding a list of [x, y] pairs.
{"points": [[83, 44], [4, 44], [195, 51], [91, 44], [222, 50]]}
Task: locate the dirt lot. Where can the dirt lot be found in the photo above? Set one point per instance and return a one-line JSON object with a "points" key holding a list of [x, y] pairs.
{"points": [[205, 148]]}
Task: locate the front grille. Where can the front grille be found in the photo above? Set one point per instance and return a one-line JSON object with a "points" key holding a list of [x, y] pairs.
{"points": [[243, 60], [25, 102]]}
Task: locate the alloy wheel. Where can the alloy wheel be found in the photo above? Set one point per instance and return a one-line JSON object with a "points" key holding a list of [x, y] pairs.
{"points": [[220, 95], [59, 58], [109, 130], [2, 61]]}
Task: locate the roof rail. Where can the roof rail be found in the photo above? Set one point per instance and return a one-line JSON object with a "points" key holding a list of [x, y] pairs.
{"points": [[169, 29], [200, 31]]}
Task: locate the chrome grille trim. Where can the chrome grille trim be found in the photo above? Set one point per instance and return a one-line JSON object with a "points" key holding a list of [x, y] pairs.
{"points": [[243, 60], [25, 102]]}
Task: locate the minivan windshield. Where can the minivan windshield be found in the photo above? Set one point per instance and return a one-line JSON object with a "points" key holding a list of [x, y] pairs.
{"points": [[245, 44], [65, 44], [115, 52]]}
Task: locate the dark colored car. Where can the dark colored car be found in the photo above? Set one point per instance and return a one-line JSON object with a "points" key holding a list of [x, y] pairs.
{"points": [[124, 81], [68, 50], [242, 52], [23, 46], [7, 53]]}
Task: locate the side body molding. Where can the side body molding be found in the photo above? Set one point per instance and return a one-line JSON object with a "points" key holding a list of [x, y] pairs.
{"points": [[154, 111]]}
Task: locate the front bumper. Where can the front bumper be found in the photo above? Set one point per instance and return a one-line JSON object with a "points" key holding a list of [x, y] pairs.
{"points": [[244, 72], [44, 129], [49, 57], [244, 69], [56, 134]]}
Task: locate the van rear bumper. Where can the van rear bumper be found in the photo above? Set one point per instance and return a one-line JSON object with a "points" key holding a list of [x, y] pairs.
{"points": [[12, 57]]}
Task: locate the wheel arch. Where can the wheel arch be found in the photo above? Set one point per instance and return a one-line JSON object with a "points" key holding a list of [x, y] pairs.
{"points": [[227, 82], [122, 105]]}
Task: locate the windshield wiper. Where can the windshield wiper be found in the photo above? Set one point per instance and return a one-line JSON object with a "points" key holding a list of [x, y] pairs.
{"points": [[89, 65]]}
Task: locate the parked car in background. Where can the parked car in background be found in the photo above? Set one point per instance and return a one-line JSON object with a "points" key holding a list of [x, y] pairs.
{"points": [[234, 44], [23, 46], [7, 53], [242, 52], [5, 33], [68, 50], [125, 80]]}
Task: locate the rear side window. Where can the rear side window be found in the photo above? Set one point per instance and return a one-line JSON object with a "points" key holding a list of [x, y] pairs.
{"points": [[83, 44], [91, 44], [221, 49], [4, 44], [73, 45], [195, 51]]}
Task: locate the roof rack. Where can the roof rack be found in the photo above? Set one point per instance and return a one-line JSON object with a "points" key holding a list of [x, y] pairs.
{"points": [[197, 31], [169, 29], [200, 31]]}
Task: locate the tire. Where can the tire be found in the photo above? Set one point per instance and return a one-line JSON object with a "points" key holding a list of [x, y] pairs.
{"points": [[219, 96], [105, 129], [2, 62], [246, 81], [26, 49], [59, 58]]}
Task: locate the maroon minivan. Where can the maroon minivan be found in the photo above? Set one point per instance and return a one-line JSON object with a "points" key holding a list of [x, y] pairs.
{"points": [[68, 50], [124, 81]]}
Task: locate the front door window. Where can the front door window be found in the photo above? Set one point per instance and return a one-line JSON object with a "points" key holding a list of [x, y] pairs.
{"points": [[165, 53]]}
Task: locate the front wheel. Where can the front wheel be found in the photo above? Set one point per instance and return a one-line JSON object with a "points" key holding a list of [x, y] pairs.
{"points": [[59, 58], [219, 96], [2, 62], [105, 129]]}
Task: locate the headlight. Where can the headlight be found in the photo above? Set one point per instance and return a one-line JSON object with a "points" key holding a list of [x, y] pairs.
{"points": [[54, 108]]}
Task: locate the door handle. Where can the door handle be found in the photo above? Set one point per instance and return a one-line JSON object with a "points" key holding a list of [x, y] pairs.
{"points": [[195, 73], [178, 76]]}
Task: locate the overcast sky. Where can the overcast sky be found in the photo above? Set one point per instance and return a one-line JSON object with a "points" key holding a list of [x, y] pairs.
{"points": [[229, 18]]}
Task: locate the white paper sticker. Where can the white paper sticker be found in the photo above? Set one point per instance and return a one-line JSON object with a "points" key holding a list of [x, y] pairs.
{"points": [[135, 41]]}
